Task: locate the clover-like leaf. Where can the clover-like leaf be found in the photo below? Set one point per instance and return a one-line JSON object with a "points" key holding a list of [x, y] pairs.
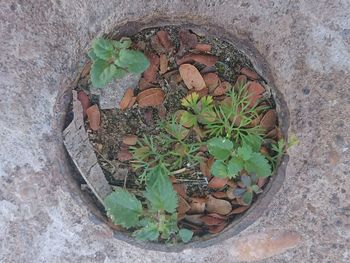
{"points": [[134, 61], [247, 197], [235, 165], [92, 55], [219, 169], [246, 180], [123, 43], [254, 140], [147, 233], [160, 192], [185, 235], [220, 147], [103, 48], [123, 208], [245, 152], [258, 164], [102, 73]]}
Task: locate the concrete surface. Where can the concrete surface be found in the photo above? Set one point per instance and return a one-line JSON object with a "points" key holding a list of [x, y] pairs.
{"points": [[43, 218]]}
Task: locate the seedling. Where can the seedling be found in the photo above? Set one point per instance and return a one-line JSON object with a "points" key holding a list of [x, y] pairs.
{"points": [[247, 192], [114, 59], [230, 159], [159, 220]]}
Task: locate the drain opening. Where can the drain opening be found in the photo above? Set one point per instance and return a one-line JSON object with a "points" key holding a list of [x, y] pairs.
{"points": [[211, 126]]}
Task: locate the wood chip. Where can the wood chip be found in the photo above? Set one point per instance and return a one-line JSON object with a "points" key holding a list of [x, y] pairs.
{"points": [[132, 102], [150, 97], [94, 117], [212, 81], [151, 72], [205, 59], [217, 229], [84, 100], [183, 206], [269, 120], [180, 189], [249, 73], [217, 182], [163, 64], [130, 139], [164, 39], [197, 205], [239, 210], [218, 206], [191, 77], [219, 195], [124, 103], [124, 155], [203, 47], [211, 221]]}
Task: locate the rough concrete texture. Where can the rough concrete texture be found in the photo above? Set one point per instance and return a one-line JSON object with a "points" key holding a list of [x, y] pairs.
{"points": [[43, 217]]}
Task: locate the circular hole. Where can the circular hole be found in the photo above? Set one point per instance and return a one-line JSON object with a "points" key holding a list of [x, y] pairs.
{"points": [[233, 55]]}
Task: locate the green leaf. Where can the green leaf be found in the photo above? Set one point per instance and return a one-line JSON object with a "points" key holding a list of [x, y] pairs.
{"points": [[160, 192], [135, 61], [92, 55], [190, 100], [120, 73], [256, 189], [206, 116], [185, 235], [247, 197], [219, 169], [123, 43], [102, 73], [245, 152], [103, 48], [235, 165], [220, 147], [246, 180], [254, 140], [147, 233], [292, 140], [123, 208], [188, 119], [259, 165]]}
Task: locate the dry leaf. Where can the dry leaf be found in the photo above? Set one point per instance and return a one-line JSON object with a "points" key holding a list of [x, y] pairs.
{"points": [[164, 39], [206, 59], [211, 221], [144, 84], [217, 229], [124, 103], [163, 64], [218, 206], [249, 73], [203, 166], [239, 210], [194, 219], [183, 206], [84, 100], [217, 182], [132, 102], [219, 195], [203, 47], [255, 91], [180, 189], [197, 205], [230, 192], [151, 72], [187, 41], [130, 139], [161, 111], [212, 81], [191, 77], [261, 181], [269, 120], [157, 45], [124, 155], [94, 117], [150, 97], [241, 81]]}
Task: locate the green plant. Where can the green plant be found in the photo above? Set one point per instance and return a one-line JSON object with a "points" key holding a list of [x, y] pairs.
{"points": [[198, 110], [231, 159], [235, 117], [114, 59], [280, 147], [247, 192], [159, 220]]}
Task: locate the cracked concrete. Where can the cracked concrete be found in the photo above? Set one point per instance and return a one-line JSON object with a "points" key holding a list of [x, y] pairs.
{"points": [[44, 217]]}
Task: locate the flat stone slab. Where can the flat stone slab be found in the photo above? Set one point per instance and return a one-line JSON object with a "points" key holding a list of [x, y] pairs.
{"points": [[44, 217], [112, 93], [78, 145]]}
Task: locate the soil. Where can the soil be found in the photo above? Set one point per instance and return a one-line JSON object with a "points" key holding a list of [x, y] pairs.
{"points": [[116, 124]]}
